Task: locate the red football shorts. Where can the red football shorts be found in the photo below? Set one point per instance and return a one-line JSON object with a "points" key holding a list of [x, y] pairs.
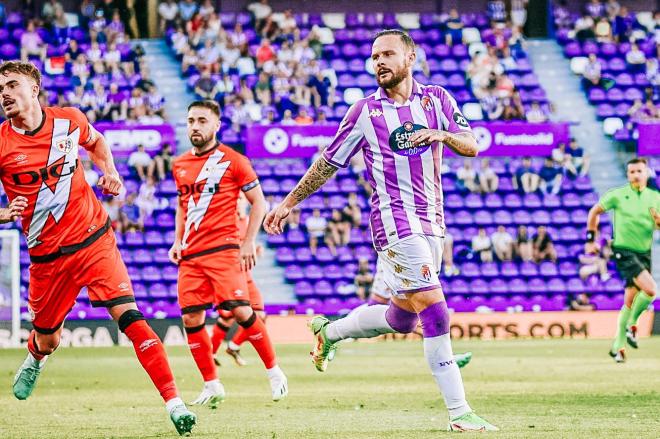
{"points": [[54, 286], [211, 280], [256, 300]]}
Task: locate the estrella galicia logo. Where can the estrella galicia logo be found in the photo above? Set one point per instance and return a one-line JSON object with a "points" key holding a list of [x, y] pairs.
{"points": [[399, 140], [460, 120]]}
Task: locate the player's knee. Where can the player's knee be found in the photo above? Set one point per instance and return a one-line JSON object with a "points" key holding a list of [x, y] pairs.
{"points": [[47, 345], [128, 318], [401, 320], [244, 315], [193, 319]]}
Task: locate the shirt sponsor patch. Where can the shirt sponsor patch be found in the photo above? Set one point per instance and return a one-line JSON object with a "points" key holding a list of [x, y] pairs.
{"points": [[399, 140]]}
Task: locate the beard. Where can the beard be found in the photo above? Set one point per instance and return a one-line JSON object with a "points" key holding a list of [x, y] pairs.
{"points": [[397, 76], [198, 140]]}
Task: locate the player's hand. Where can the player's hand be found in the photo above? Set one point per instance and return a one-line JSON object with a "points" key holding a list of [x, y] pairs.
{"points": [[175, 252], [274, 221], [656, 216], [248, 255], [14, 211], [427, 136], [591, 248], [110, 184]]}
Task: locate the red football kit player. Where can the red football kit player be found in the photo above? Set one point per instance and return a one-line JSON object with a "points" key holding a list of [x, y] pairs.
{"points": [[68, 233], [212, 260], [225, 320]]}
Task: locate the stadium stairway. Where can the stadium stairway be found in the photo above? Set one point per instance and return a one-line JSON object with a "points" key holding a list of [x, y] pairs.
{"points": [[165, 71], [564, 90]]}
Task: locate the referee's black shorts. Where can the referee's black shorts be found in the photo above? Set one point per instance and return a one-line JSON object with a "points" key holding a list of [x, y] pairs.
{"points": [[631, 263]]}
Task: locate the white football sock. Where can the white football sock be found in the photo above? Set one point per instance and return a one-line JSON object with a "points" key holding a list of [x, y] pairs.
{"points": [[363, 322], [438, 353]]}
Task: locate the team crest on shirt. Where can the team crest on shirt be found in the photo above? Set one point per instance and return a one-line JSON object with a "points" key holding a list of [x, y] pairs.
{"points": [[400, 140], [64, 145], [427, 104], [426, 272]]}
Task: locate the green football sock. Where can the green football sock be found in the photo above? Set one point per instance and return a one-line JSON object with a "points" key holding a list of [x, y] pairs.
{"points": [[622, 323], [641, 302]]}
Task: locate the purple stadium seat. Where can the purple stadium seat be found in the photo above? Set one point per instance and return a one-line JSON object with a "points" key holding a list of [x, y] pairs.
{"points": [[323, 255], [170, 273], [296, 237], [488, 269], [502, 217], [303, 289], [158, 290], [479, 286], [285, 255], [293, 273], [470, 269], [509, 269], [142, 256], [517, 286], [459, 286], [548, 269], [528, 269], [512, 200], [303, 254], [323, 288], [134, 239]]}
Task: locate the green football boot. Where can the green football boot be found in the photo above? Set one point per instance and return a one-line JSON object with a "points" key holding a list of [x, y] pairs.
{"points": [[26, 377], [322, 347], [470, 421]]}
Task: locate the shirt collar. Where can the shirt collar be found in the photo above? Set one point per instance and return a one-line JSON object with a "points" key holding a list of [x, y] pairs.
{"points": [[416, 90]]}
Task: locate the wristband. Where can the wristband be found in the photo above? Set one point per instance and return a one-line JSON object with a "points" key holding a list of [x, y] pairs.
{"points": [[591, 236]]}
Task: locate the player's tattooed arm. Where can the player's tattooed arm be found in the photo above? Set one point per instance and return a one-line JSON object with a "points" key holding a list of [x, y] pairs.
{"points": [[462, 143], [320, 172]]}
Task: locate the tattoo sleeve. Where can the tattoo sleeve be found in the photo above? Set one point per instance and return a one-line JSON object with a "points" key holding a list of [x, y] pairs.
{"points": [[462, 143], [314, 178]]}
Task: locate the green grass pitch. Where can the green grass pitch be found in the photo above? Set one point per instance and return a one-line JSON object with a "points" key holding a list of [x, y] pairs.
{"points": [[529, 388]]}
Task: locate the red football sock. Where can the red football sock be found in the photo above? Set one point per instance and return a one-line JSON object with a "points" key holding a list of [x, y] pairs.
{"points": [[255, 330], [240, 336], [32, 347], [219, 333], [152, 356], [199, 343]]}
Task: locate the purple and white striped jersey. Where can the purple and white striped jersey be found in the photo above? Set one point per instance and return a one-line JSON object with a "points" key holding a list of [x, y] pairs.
{"points": [[407, 194]]}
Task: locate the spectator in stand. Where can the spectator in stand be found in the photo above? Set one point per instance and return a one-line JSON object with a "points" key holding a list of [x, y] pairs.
{"points": [[293, 220], [482, 246], [80, 71], [487, 178], [491, 104], [580, 302], [622, 25], [519, 13], [287, 25], [287, 119], [265, 53], [594, 9], [3, 13], [551, 177], [526, 179], [162, 162], [321, 89], [453, 28], [303, 117], [49, 11], [536, 114], [604, 31], [591, 264], [117, 103], [448, 256], [543, 247], [140, 163], [421, 65], [209, 56], [206, 10], [635, 59], [113, 207], [187, 8], [364, 279], [317, 227], [205, 86], [591, 77], [612, 8], [115, 30], [513, 107], [269, 119], [32, 44], [91, 176], [584, 28], [502, 244], [351, 213], [146, 199], [261, 10], [466, 178], [339, 230], [562, 158], [524, 245], [579, 159], [129, 215]]}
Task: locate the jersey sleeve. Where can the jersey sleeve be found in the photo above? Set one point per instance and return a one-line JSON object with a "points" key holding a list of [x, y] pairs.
{"points": [[609, 200], [244, 174], [87, 133], [348, 139], [455, 122]]}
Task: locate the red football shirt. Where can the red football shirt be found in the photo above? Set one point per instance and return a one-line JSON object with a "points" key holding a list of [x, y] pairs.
{"points": [[208, 188], [43, 166]]}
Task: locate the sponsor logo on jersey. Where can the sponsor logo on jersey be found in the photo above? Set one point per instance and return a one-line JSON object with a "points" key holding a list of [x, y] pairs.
{"points": [[64, 145], [398, 269], [54, 171], [375, 113], [400, 140], [427, 104], [197, 188], [460, 120], [445, 363], [391, 253], [426, 272]]}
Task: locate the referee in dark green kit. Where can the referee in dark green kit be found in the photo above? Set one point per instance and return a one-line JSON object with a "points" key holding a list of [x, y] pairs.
{"points": [[636, 215]]}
